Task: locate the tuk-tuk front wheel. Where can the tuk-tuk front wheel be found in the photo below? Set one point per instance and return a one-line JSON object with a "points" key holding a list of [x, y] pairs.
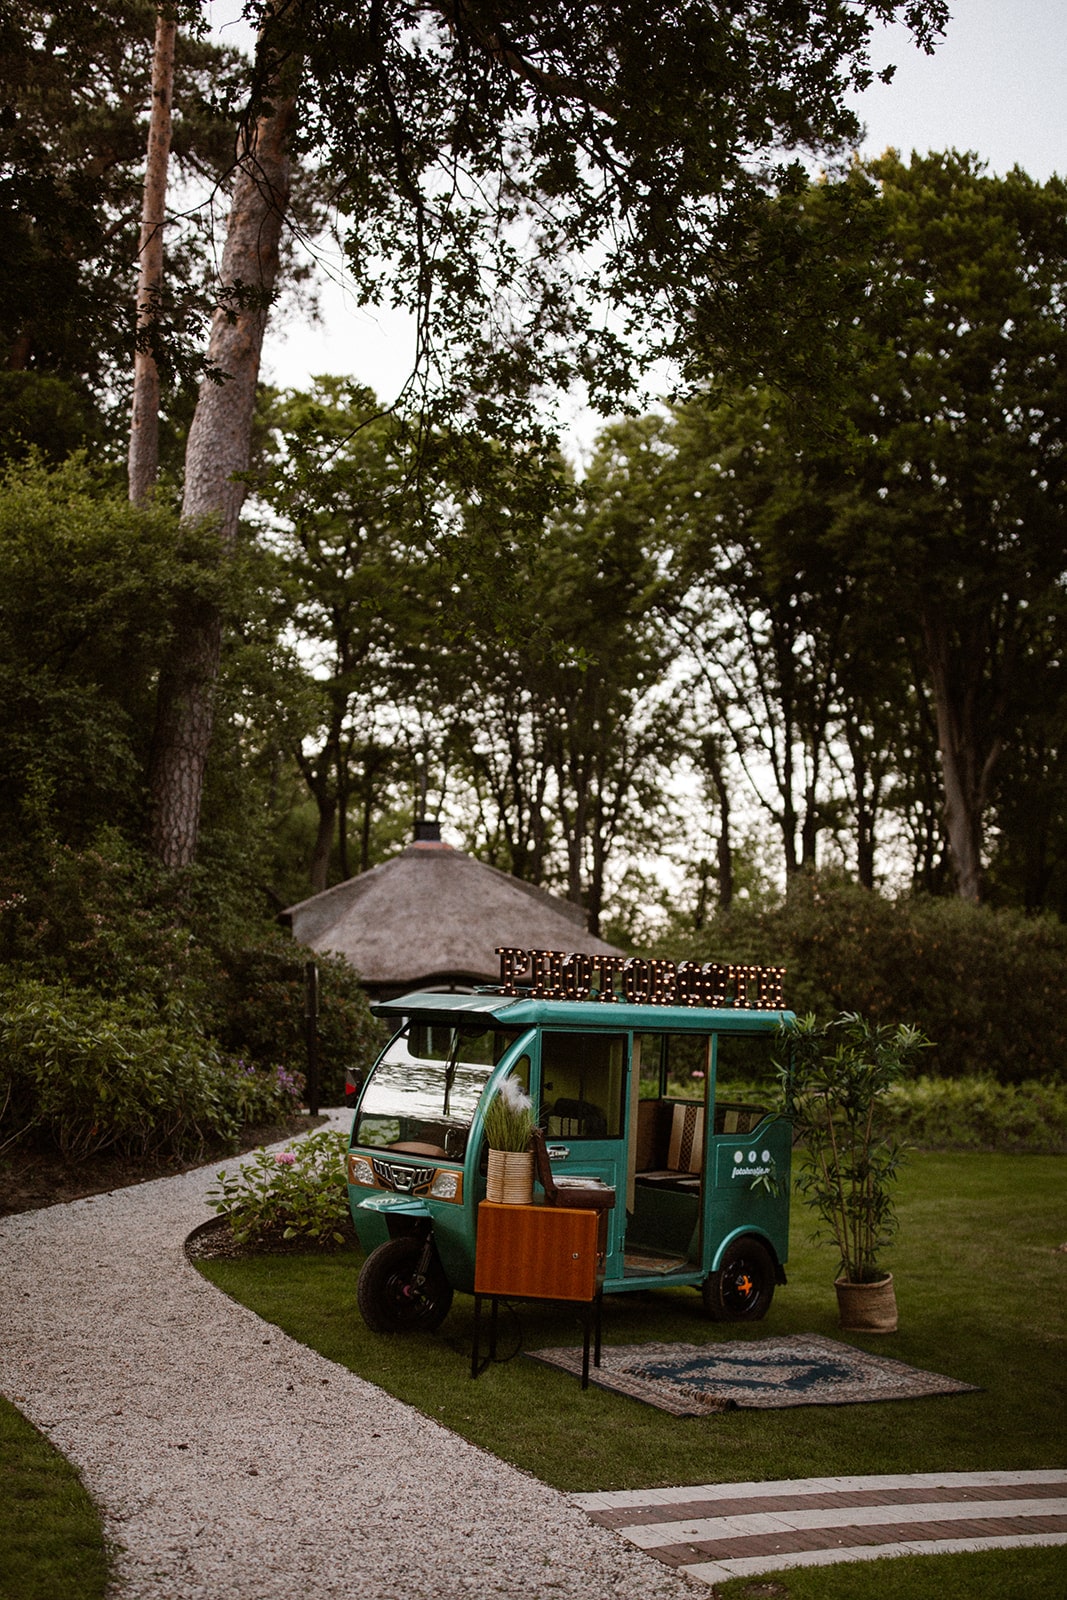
{"points": [[743, 1287], [402, 1289]]}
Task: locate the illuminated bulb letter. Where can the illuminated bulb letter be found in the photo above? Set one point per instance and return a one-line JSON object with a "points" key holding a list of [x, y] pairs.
{"points": [[512, 966], [576, 976]]}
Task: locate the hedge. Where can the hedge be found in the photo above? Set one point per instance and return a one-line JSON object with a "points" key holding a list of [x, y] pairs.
{"points": [[987, 987], [88, 1074]]}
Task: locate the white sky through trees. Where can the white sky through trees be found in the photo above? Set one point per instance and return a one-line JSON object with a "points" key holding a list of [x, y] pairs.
{"points": [[997, 85]]}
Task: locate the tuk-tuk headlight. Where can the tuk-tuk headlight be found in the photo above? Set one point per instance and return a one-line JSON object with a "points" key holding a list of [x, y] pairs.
{"points": [[361, 1171], [446, 1185]]}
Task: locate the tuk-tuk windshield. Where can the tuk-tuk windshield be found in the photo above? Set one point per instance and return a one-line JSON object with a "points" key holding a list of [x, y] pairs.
{"points": [[426, 1087]]}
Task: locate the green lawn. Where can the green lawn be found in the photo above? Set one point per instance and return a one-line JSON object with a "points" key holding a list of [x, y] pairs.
{"points": [[981, 1290], [1036, 1574], [51, 1541], [980, 1287]]}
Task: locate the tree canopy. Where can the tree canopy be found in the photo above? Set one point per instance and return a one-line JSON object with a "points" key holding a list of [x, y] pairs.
{"points": [[75, 82], [513, 171], [512, 176], [927, 533]]}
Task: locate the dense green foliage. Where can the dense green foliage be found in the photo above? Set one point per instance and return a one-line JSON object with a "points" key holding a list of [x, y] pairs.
{"points": [[739, 600], [51, 1540], [985, 986], [148, 1012], [91, 590], [872, 584], [76, 86], [89, 1074], [144, 1012], [979, 1114]]}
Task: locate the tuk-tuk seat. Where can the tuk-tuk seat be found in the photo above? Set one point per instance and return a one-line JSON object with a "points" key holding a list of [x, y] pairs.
{"points": [[576, 1119], [738, 1118], [685, 1151], [581, 1193]]}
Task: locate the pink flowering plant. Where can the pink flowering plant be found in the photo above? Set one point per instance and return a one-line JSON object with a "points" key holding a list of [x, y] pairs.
{"points": [[299, 1193]]}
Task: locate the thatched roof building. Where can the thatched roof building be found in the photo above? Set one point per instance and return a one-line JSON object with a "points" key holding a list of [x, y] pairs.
{"points": [[432, 918]]}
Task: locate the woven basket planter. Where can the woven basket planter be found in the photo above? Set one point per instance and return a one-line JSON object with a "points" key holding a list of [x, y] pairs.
{"points": [[867, 1307], [509, 1181]]}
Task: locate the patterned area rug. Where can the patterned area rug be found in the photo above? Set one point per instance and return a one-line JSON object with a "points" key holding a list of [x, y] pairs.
{"points": [[694, 1380]]}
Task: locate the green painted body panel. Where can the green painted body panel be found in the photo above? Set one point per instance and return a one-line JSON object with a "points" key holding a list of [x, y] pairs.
{"points": [[732, 1205], [736, 1201]]}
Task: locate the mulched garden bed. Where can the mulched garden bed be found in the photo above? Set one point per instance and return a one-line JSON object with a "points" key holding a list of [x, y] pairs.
{"points": [[31, 1178], [214, 1241]]}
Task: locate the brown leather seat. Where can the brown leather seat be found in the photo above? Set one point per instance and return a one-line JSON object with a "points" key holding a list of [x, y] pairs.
{"points": [[579, 1192]]}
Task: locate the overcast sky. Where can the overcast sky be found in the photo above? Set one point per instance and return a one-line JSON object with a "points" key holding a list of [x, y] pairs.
{"points": [[997, 85]]}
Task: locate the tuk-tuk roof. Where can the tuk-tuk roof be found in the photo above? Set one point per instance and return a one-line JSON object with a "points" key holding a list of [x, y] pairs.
{"points": [[499, 1010]]}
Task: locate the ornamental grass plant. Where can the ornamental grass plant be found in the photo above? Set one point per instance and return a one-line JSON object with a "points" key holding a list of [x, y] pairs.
{"points": [[509, 1118]]}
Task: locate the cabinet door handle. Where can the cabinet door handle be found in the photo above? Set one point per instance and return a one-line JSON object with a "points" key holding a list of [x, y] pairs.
{"points": [[558, 1152]]}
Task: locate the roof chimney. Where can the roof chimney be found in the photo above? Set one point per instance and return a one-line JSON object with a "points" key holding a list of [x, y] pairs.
{"points": [[427, 832]]}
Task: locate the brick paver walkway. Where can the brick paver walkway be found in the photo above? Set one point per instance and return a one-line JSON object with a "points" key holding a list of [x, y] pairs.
{"points": [[732, 1530]]}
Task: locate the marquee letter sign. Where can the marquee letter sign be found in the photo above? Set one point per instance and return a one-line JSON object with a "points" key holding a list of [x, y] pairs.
{"points": [[555, 975]]}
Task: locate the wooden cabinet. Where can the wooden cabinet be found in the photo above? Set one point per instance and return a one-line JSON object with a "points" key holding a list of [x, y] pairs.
{"points": [[538, 1253]]}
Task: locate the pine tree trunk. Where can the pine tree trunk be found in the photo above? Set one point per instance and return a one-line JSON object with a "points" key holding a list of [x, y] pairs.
{"points": [[144, 423], [217, 455]]}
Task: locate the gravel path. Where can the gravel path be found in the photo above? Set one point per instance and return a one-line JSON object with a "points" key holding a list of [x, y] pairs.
{"points": [[231, 1463]]}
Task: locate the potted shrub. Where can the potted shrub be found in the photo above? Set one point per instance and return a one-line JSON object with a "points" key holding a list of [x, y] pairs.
{"points": [[836, 1083], [509, 1124]]}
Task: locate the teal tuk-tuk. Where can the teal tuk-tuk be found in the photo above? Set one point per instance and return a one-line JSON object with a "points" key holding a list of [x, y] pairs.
{"points": [[655, 1079]]}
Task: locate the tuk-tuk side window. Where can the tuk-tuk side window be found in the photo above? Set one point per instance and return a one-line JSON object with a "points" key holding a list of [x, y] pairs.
{"points": [[746, 1081], [649, 1052], [434, 1041], [520, 1071], [583, 1083], [687, 1065]]}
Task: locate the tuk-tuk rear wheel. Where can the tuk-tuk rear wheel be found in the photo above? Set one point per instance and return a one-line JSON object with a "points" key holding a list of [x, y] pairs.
{"points": [[743, 1287], [389, 1297]]}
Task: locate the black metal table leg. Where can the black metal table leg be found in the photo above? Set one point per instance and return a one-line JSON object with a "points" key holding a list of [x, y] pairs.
{"points": [[477, 1330]]}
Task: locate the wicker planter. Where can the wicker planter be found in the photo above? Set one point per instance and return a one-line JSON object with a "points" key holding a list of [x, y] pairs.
{"points": [[867, 1307], [509, 1181]]}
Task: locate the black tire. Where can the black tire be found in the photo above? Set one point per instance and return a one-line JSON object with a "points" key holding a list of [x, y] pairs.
{"points": [[743, 1287], [390, 1301]]}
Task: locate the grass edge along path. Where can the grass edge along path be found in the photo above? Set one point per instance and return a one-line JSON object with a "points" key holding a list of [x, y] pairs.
{"points": [[51, 1538], [1028, 1573]]}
